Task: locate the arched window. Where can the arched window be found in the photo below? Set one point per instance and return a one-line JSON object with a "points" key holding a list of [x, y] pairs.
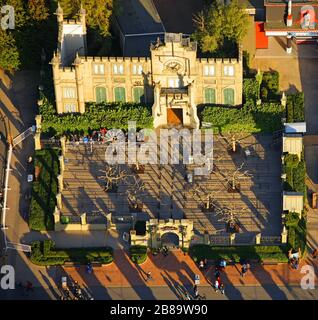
{"points": [[209, 95], [120, 94], [228, 96], [100, 94], [139, 96]]}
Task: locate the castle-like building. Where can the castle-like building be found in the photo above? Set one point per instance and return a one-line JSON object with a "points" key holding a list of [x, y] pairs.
{"points": [[173, 79]]}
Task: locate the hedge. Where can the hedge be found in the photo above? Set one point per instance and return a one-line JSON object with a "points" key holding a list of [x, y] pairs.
{"points": [[237, 253], [138, 254], [295, 109], [44, 253], [97, 115], [44, 190], [250, 89], [297, 235], [250, 118], [270, 85], [295, 170]]}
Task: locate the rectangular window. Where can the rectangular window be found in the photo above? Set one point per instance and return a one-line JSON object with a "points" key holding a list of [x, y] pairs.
{"points": [[208, 70], [99, 68], [209, 95], [118, 69], [228, 70], [120, 94], [70, 107], [228, 96], [174, 83], [137, 69], [69, 93], [100, 94], [139, 95]]}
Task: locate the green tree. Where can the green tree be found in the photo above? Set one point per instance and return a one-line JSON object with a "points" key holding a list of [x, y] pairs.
{"points": [[219, 24], [9, 54], [38, 10], [98, 12]]}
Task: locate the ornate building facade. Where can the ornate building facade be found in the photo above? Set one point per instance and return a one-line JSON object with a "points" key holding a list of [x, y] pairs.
{"points": [[174, 80]]}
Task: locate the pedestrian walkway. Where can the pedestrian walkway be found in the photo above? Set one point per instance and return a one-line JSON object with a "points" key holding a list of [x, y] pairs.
{"points": [[179, 269]]}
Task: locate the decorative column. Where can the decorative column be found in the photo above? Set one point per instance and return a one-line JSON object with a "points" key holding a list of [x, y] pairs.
{"points": [[258, 238], [83, 219], [62, 165], [60, 182], [232, 238], [59, 201], [37, 141], [284, 235], [289, 44], [63, 145], [57, 215]]}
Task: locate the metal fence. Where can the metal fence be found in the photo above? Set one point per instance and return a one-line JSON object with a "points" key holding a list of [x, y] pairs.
{"points": [[220, 240], [271, 240]]}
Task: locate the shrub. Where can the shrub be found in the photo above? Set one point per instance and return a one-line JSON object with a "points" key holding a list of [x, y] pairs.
{"points": [[138, 254], [271, 83], [250, 89], [295, 109], [44, 190], [292, 219], [236, 254], [297, 235], [264, 94], [96, 116], [44, 253], [249, 118]]}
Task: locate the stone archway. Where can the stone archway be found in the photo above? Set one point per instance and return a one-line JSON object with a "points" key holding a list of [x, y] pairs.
{"points": [[170, 240]]}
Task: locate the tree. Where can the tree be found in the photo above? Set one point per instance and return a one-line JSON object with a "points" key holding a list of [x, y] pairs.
{"points": [[9, 54], [112, 176], [134, 192], [220, 24], [230, 216], [38, 10], [209, 197], [98, 12]]}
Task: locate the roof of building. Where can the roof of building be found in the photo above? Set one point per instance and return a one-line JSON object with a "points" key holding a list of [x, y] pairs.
{"points": [[297, 127], [139, 46], [252, 3], [177, 15], [138, 17]]}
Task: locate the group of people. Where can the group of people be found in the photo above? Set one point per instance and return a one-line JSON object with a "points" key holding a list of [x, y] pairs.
{"points": [[218, 284], [95, 136], [294, 258]]}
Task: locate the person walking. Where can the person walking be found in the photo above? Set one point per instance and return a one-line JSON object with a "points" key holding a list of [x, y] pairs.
{"points": [[217, 272], [216, 284], [244, 269], [149, 276], [315, 254], [196, 292]]}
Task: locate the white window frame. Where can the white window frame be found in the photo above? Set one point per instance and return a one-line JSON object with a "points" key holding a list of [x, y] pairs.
{"points": [[99, 68], [209, 70], [69, 93], [228, 71], [173, 83], [118, 68], [70, 107], [137, 69]]}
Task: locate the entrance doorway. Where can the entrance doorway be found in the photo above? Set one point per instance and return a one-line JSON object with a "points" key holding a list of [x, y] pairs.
{"points": [[170, 240], [175, 116]]}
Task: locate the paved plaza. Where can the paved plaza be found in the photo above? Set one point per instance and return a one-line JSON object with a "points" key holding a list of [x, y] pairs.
{"points": [[168, 194]]}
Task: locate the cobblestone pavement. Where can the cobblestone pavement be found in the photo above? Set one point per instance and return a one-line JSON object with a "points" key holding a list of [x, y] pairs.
{"points": [[168, 194]]}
